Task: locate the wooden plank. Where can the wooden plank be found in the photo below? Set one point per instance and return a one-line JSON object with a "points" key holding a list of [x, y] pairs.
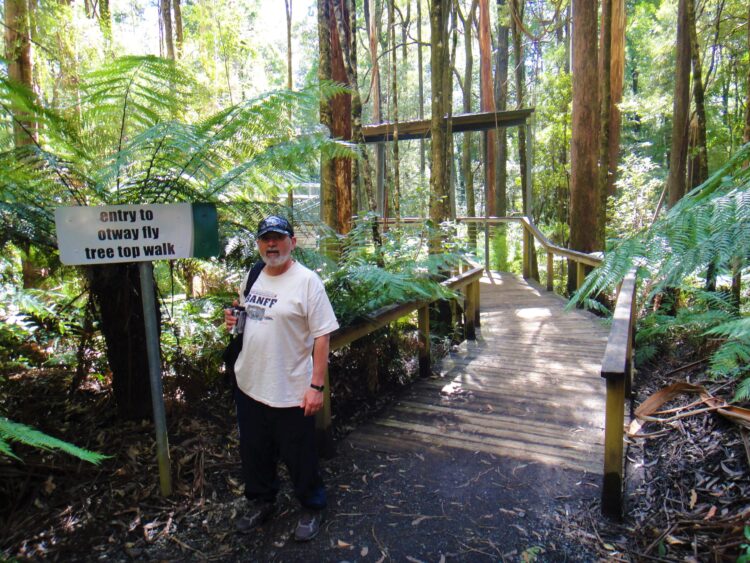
{"points": [[554, 455], [420, 129], [480, 421]]}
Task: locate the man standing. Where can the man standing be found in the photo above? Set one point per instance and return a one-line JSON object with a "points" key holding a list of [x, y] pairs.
{"points": [[280, 377]]}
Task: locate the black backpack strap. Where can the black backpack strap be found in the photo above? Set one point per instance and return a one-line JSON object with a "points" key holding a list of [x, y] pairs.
{"points": [[252, 276]]}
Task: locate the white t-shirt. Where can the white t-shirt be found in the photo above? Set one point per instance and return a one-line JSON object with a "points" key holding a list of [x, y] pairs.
{"points": [[285, 313]]}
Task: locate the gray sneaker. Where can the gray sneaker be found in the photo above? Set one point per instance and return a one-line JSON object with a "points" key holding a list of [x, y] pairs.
{"points": [[258, 513], [308, 526]]}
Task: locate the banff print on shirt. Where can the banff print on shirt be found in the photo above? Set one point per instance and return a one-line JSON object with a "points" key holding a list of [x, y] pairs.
{"points": [[258, 303]]}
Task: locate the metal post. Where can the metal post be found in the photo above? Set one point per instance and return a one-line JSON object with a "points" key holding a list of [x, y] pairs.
{"points": [[146, 271]]}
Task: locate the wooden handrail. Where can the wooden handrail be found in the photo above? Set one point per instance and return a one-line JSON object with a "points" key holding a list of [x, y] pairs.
{"points": [[580, 258], [390, 313], [617, 370], [468, 282]]}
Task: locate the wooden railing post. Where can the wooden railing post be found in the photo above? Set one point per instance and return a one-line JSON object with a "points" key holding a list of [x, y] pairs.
{"points": [[527, 242], [477, 296], [613, 447], [617, 369], [550, 271], [424, 341], [580, 274], [470, 312]]}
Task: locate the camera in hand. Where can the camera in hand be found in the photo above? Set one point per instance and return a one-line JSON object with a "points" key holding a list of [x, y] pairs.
{"points": [[240, 315]]}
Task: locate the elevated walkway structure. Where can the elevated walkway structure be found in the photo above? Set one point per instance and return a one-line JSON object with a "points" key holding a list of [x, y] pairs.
{"points": [[528, 388]]}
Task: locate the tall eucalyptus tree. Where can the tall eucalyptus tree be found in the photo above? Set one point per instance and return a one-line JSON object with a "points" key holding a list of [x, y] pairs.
{"points": [[584, 147], [680, 108], [439, 158]]}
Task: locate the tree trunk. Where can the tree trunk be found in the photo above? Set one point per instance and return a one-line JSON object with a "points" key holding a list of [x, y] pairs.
{"points": [[698, 156], [342, 112], [289, 83], [520, 79], [616, 77], [117, 292], [420, 75], [345, 14], [327, 172], [448, 110], [488, 103], [396, 194], [178, 32], [166, 25], [523, 156], [584, 140], [105, 19], [680, 108], [18, 57], [377, 101], [289, 74], [736, 290], [605, 104], [466, 152], [336, 208], [501, 103], [439, 197]]}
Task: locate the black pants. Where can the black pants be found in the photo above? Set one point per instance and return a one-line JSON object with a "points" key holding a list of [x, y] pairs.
{"points": [[268, 434]]}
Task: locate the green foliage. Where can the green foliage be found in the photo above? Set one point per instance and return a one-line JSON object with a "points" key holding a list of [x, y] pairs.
{"points": [[194, 336], [638, 188], [15, 432], [709, 227], [358, 287], [700, 313], [733, 356], [41, 327], [745, 548]]}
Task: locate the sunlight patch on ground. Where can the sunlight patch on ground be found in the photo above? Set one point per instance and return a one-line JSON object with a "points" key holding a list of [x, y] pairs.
{"points": [[534, 313]]}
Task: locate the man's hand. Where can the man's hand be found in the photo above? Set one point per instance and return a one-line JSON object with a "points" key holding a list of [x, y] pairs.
{"points": [[312, 402], [229, 319]]}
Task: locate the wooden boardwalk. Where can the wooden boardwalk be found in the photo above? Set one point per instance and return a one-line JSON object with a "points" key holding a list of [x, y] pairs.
{"points": [[527, 389]]}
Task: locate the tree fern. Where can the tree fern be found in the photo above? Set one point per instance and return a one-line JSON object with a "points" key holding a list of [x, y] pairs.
{"points": [[733, 356], [709, 227], [358, 287], [15, 432], [710, 224]]}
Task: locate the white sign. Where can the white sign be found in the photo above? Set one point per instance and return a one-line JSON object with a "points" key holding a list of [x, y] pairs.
{"points": [[124, 233]]}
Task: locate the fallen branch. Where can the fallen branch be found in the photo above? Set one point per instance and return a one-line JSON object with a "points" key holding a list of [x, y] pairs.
{"points": [[651, 406]]}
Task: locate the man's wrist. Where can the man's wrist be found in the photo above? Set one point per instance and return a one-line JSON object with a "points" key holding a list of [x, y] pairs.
{"points": [[319, 388]]}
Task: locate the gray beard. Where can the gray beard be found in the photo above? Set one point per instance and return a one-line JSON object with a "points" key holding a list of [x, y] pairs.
{"points": [[278, 260]]}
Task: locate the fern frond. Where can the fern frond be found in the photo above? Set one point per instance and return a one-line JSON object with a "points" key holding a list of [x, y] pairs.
{"points": [[742, 393], [134, 92], [16, 432], [738, 329]]}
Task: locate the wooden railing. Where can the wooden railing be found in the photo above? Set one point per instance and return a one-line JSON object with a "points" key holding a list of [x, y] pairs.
{"points": [[617, 363], [466, 283], [531, 232], [617, 369]]}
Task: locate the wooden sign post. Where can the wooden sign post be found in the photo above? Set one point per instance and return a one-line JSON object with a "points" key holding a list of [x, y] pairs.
{"points": [[141, 233]]}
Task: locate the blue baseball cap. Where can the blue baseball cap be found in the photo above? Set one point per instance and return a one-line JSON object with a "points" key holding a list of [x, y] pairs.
{"points": [[275, 224]]}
